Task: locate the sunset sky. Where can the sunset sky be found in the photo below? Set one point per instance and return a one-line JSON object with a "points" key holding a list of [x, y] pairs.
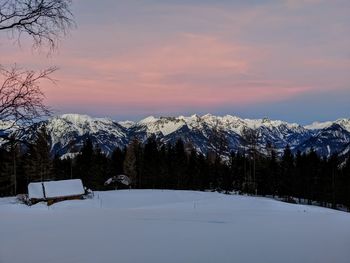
{"points": [[283, 59]]}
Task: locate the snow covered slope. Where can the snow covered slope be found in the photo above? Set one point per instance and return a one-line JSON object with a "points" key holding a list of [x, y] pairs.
{"points": [[152, 226]]}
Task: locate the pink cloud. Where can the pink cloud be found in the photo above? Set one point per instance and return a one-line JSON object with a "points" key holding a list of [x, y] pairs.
{"points": [[190, 70], [187, 70]]}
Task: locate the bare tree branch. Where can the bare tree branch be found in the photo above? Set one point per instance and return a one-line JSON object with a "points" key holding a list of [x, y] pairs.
{"points": [[21, 99], [45, 21]]}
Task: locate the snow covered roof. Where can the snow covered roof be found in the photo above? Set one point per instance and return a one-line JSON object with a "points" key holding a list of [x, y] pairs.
{"points": [[35, 191], [53, 189], [63, 188]]}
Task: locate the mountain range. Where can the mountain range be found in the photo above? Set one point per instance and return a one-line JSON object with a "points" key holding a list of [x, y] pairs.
{"points": [[68, 132]]}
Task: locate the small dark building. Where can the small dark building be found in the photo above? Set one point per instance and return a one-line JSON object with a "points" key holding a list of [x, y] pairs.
{"points": [[119, 182]]}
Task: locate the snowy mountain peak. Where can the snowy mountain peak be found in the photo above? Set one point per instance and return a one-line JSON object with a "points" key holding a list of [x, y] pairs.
{"points": [[126, 124], [318, 125], [75, 118], [81, 123], [266, 120], [79, 119], [148, 119], [194, 117], [162, 125], [69, 131], [208, 115], [345, 123]]}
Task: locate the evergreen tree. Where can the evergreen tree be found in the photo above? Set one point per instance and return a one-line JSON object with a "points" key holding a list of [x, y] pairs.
{"points": [[150, 162], [299, 179], [250, 139], [180, 163], [117, 161], [269, 182], [287, 173], [131, 163], [100, 170], [193, 172], [38, 161], [63, 168], [85, 162], [6, 171]]}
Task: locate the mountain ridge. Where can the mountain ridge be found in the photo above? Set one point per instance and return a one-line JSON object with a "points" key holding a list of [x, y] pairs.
{"points": [[68, 132]]}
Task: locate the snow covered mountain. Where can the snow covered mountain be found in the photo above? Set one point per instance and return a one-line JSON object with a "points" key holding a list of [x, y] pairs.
{"points": [[68, 132], [199, 129], [329, 138], [327, 141]]}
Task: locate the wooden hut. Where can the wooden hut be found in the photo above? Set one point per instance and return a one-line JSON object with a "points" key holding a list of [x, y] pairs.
{"points": [[55, 191]]}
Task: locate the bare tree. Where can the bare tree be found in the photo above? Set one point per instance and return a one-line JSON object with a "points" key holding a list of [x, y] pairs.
{"points": [[45, 21], [21, 99]]}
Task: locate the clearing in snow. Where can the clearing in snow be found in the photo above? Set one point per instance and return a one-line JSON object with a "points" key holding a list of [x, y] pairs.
{"points": [[172, 226]]}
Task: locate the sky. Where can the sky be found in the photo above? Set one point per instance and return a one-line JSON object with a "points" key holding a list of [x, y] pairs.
{"points": [[281, 59]]}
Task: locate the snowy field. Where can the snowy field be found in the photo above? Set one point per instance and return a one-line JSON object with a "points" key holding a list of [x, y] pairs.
{"points": [[172, 226]]}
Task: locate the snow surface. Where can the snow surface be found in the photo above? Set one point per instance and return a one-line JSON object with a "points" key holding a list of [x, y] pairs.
{"points": [[172, 226]]}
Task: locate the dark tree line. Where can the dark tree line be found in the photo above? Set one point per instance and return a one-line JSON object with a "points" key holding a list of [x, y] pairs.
{"points": [[152, 164]]}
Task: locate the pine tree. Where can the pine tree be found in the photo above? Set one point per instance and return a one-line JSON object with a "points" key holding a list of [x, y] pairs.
{"points": [[287, 173], [180, 163], [250, 138], [84, 163], [6, 171], [269, 182], [117, 161], [38, 161], [131, 163], [345, 184], [193, 173], [150, 164]]}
